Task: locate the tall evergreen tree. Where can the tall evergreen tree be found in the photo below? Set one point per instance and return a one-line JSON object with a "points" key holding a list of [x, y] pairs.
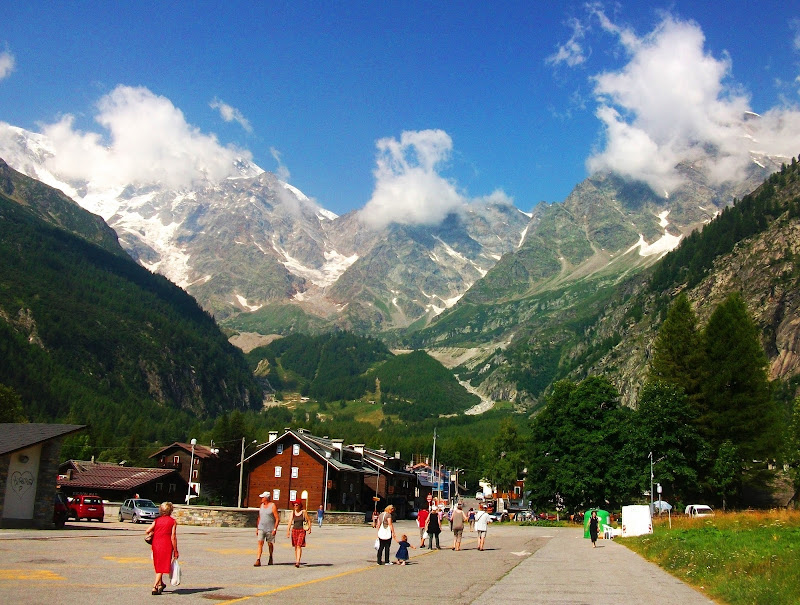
{"points": [[676, 352], [737, 402]]}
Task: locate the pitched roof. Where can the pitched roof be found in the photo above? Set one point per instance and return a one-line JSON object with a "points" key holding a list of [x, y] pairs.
{"points": [[106, 476], [200, 451], [18, 436], [318, 446]]}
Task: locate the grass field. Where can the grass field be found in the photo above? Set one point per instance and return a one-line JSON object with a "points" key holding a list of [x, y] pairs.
{"points": [[746, 557]]}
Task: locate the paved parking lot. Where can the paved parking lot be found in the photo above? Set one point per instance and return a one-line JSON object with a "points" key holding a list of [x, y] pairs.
{"points": [[90, 562]]}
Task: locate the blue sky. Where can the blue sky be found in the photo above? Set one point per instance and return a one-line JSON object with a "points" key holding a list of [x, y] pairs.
{"points": [[408, 108]]}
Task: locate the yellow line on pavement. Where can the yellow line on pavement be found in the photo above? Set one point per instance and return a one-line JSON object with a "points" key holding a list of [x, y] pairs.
{"points": [[308, 583], [29, 574]]}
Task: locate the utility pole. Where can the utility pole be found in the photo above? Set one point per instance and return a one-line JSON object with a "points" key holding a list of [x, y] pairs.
{"points": [[433, 460]]}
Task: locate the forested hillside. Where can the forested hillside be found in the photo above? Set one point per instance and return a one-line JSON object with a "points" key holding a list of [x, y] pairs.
{"points": [[342, 366], [88, 336]]}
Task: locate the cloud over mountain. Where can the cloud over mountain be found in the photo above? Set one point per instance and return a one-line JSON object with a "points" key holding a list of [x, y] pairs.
{"points": [[147, 140], [672, 101], [409, 189]]}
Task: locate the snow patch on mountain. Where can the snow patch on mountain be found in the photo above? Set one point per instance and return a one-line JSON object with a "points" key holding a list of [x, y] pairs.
{"points": [[661, 246]]}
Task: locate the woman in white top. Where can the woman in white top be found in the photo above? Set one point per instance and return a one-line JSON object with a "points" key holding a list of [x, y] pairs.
{"points": [[481, 526]]}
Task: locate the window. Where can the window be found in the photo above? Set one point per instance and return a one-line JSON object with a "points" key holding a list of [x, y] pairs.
{"points": [[295, 472], [276, 495], [172, 488], [292, 495], [280, 448], [278, 470], [159, 487], [296, 449], [194, 474], [176, 459]]}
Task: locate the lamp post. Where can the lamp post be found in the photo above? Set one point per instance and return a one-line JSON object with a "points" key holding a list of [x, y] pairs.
{"points": [[191, 471], [325, 490], [241, 470]]}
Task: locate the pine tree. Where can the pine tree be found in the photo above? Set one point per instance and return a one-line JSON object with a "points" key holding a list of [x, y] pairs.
{"points": [[737, 402], [676, 352]]}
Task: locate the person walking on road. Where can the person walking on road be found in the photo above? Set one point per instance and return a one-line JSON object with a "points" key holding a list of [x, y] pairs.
{"points": [[320, 515], [434, 528], [402, 552], [594, 528], [422, 518], [481, 526], [299, 526], [471, 516], [385, 535], [267, 526], [457, 525], [164, 535]]}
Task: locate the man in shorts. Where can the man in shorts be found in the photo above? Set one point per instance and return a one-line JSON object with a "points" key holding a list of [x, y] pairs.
{"points": [[457, 525], [267, 527]]}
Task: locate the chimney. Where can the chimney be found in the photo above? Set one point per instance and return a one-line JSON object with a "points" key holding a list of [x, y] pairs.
{"points": [[273, 435], [359, 448], [397, 455], [337, 446]]}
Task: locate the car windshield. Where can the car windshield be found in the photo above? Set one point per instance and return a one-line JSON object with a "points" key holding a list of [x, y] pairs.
{"points": [[144, 504]]}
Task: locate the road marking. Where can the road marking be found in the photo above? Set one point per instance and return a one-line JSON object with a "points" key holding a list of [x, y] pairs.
{"points": [[522, 553], [232, 551], [29, 574], [309, 582], [128, 560]]}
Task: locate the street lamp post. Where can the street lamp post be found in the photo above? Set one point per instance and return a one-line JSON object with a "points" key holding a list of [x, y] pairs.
{"points": [[241, 470], [191, 471]]}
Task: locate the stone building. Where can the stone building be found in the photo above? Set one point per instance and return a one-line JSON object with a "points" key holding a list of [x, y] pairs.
{"points": [[29, 455]]}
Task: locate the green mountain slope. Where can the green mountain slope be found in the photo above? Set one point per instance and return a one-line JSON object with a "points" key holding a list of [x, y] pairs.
{"points": [[542, 313], [344, 366], [88, 336]]}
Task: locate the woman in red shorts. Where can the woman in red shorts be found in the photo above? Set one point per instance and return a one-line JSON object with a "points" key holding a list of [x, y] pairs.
{"points": [[299, 526]]}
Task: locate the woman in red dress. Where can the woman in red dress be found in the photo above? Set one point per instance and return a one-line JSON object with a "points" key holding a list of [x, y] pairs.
{"points": [[165, 544]]}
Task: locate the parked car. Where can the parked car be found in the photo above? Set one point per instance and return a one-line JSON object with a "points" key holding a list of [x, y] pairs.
{"points": [[138, 510], [60, 510], [86, 507], [699, 510]]}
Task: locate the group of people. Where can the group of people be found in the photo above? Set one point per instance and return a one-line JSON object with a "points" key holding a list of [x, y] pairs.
{"points": [[429, 523], [298, 528], [163, 537]]}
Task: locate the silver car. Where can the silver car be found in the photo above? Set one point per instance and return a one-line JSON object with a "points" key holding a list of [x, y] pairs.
{"points": [[138, 510]]}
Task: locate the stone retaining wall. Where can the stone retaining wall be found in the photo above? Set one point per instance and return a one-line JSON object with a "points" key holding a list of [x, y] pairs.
{"points": [[220, 516]]}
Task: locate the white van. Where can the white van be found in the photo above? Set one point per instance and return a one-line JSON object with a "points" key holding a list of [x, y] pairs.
{"points": [[699, 510], [636, 520]]}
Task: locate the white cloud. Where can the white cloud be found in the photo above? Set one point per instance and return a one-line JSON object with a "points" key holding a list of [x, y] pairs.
{"points": [[148, 141], [231, 114], [282, 172], [408, 188], [572, 52], [6, 64], [671, 102]]}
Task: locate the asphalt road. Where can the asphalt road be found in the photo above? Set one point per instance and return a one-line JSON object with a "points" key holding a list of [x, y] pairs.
{"points": [[90, 562]]}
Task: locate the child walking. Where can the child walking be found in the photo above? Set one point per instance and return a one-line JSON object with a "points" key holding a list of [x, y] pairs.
{"points": [[402, 552]]}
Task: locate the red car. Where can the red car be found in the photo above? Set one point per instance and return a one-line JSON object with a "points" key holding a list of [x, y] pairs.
{"points": [[86, 507]]}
